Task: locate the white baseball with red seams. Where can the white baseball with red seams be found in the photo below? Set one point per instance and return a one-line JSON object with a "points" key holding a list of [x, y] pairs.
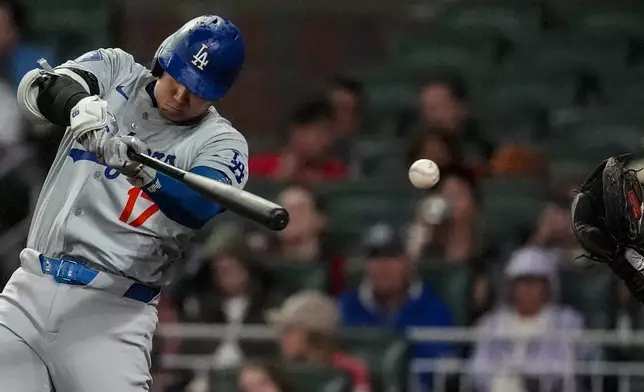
{"points": [[424, 174]]}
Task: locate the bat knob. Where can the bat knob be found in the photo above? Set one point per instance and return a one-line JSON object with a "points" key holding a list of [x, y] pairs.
{"points": [[277, 219]]}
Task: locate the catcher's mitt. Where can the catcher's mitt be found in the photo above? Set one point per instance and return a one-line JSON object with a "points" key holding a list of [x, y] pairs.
{"points": [[622, 201], [606, 218]]}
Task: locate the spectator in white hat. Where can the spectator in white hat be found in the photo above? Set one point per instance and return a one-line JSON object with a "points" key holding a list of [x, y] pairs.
{"points": [[308, 323], [504, 360]]}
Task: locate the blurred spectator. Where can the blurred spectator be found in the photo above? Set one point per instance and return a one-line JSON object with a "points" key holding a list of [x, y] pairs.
{"points": [[233, 290], [308, 323], [444, 102], [446, 222], [165, 380], [11, 131], [519, 161], [347, 98], [308, 153], [304, 239], [258, 376], [528, 310], [554, 230], [392, 295], [17, 57]]}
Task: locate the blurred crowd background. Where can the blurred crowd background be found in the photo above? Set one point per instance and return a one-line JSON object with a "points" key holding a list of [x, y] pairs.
{"points": [[476, 285]]}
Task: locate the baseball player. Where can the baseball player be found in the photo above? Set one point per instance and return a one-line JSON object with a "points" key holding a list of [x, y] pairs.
{"points": [[79, 314]]}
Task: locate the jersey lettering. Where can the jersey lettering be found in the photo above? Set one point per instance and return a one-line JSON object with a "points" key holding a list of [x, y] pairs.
{"points": [[90, 56], [200, 60], [238, 168], [134, 194]]}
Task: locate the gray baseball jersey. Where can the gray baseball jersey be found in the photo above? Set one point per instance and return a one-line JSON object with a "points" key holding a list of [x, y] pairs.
{"points": [[90, 212]]}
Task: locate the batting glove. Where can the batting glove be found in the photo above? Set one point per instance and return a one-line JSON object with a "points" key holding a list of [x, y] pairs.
{"points": [[115, 153], [92, 124]]}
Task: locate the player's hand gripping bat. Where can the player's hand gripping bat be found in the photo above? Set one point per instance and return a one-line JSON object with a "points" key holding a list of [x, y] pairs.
{"points": [[236, 200]]}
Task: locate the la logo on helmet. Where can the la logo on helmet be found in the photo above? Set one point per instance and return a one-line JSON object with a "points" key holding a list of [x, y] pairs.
{"points": [[200, 60]]}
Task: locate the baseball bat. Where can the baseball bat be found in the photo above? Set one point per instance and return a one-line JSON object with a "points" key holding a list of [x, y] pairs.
{"points": [[239, 201]]}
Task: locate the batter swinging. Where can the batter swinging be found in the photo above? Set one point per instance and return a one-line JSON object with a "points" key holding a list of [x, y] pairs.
{"points": [[79, 314]]}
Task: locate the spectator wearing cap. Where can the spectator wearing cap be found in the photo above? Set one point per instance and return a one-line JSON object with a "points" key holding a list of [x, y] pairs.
{"points": [[308, 153], [529, 309], [308, 324], [392, 296]]}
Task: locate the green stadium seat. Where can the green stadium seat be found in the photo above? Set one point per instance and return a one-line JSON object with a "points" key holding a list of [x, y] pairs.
{"points": [[488, 44], [607, 18], [294, 276], [512, 19], [511, 207], [592, 292], [385, 353], [558, 53], [268, 189], [353, 206], [593, 141], [453, 283], [303, 377]]}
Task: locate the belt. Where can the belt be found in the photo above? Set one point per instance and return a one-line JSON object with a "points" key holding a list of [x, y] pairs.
{"points": [[73, 273]]}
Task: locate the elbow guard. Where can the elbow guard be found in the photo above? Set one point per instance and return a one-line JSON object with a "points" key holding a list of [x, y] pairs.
{"points": [[50, 97], [58, 95]]}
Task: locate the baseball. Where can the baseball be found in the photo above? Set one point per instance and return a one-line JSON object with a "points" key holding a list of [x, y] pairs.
{"points": [[424, 174]]}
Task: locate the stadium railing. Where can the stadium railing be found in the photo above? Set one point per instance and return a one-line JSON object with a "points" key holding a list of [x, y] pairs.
{"points": [[629, 374]]}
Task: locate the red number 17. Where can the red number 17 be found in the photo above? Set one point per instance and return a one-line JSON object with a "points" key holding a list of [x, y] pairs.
{"points": [[134, 193]]}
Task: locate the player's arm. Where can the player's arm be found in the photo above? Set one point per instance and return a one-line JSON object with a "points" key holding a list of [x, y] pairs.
{"points": [[48, 95], [222, 159]]}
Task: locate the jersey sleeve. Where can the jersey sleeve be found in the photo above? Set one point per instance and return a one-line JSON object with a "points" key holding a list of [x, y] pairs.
{"points": [[227, 153], [111, 67]]}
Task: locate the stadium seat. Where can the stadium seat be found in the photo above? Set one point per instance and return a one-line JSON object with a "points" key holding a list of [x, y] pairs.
{"points": [[514, 20], [592, 292], [294, 276], [385, 353], [303, 377], [510, 209], [557, 53], [353, 206], [593, 141], [621, 18]]}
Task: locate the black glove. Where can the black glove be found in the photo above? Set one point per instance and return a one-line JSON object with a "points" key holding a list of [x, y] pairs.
{"points": [[606, 217]]}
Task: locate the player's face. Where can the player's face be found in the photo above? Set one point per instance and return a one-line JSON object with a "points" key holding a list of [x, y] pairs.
{"points": [[440, 108], [175, 102], [255, 379]]}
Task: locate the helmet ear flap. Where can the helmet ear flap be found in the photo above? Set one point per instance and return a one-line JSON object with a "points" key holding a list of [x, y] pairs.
{"points": [[157, 70]]}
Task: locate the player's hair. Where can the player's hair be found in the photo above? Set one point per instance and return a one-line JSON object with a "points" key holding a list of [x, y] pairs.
{"points": [[312, 111], [452, 80], [274, 372], [18, 13]]}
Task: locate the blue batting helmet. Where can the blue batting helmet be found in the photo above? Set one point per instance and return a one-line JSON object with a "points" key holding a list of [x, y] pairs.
{"points": [[205, 55]]}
